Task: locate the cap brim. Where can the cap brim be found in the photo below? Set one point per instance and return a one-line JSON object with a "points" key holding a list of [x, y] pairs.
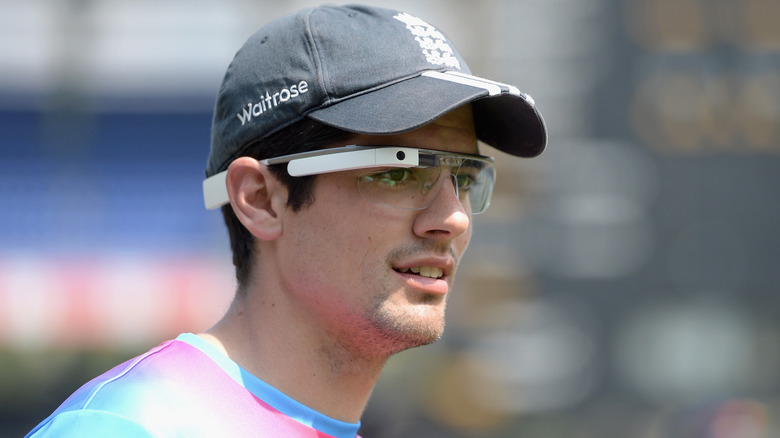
{"points": [[504, 117]]}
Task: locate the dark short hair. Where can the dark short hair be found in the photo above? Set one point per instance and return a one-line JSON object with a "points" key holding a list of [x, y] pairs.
{"points": [[305, 135]]}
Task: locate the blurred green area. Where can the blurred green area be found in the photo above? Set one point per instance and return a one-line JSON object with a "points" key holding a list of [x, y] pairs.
{"points": [[34, 382]]}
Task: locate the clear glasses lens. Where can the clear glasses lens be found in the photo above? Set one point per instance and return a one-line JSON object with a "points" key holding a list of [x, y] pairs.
{"points": [[417, 187]]}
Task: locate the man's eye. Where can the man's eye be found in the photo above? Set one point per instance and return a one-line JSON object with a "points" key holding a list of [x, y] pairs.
{"points": [[391, 177], [465, 182]]}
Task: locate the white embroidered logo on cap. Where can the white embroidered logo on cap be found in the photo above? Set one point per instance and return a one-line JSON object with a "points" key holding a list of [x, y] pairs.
{"points": [[271, 101], [433, 44]]}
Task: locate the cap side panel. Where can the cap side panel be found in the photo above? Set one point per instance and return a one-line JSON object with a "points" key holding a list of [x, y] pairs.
{"points": [[318, 73]]}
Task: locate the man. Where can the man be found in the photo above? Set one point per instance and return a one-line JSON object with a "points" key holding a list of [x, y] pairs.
{"points": [[344, 157]]}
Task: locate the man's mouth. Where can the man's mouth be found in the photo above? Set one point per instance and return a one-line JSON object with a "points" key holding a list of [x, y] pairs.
{"points": [[424, 271]]}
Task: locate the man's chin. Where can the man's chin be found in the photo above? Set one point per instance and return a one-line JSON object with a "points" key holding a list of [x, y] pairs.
{"points": [[411, 331]]}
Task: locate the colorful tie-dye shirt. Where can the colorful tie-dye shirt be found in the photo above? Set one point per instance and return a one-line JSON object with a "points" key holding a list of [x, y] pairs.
{"points": [[185, 388]]}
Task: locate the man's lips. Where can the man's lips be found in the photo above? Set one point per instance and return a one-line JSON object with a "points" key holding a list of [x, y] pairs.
{"points": [[427, 285], [428, 266], [427, 274], [424, 271]]}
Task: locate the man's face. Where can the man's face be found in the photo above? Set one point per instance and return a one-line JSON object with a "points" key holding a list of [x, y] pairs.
{"points": [[374, 276]]}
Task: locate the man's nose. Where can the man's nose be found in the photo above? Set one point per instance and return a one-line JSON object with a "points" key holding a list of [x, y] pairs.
{"points": [[446, 216]]}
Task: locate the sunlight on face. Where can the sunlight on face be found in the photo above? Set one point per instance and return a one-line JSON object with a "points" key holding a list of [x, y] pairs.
{"points": [[378, 277]]}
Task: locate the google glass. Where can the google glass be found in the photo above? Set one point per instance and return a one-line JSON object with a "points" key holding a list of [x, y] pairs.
{"points": [[400, 177]]}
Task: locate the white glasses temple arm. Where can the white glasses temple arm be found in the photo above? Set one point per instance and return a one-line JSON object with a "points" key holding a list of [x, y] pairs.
{"points": [[215, 192], [351, 160]]}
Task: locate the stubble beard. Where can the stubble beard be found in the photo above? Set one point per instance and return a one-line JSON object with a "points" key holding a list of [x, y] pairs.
{"points": [[380, 334], [418, 320], [398, 332], [392, 318]]}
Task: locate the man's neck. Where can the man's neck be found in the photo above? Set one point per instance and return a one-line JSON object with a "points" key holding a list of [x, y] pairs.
{"points": [[297, 359]]}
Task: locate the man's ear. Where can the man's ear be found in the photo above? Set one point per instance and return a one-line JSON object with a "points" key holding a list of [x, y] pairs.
{"points": [[257, 197]]}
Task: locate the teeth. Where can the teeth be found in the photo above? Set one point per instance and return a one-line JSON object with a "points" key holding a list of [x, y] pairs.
{"points": [[425, 271]]}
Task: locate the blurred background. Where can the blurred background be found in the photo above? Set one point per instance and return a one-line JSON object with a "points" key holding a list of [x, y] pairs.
{"points": [[623, 284]]}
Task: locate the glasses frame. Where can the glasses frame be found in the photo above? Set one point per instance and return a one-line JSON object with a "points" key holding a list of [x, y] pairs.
{"points": [[350, 157]]}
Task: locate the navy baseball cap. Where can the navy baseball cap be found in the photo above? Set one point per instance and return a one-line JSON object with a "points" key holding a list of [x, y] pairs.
{"points": [[365, 70]]}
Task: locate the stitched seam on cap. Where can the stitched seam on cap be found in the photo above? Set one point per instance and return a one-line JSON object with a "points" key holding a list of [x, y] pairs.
{"points": [[315, 55]]}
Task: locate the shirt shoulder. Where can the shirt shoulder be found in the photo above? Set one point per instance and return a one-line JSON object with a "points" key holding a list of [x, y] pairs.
{"points": [[170, 390], [181, 389], [88, 424]]}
